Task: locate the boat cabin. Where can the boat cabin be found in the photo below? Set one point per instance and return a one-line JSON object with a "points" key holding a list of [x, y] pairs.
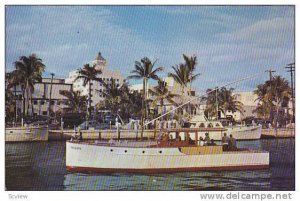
{"points": [[184, 137]]}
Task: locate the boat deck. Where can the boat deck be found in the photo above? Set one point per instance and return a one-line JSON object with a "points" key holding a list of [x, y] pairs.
{"points": [[185, 147]]}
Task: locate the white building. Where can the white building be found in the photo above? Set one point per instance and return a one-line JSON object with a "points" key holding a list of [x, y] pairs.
{"points": [[174, 88], [249, 101], [107, 76], [41, 97]]}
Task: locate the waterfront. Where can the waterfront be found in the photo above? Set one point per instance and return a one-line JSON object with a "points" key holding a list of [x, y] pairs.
{"points": [[41, 166]]}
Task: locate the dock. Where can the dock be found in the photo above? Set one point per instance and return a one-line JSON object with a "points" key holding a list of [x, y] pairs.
{"points": [[280, 133]]}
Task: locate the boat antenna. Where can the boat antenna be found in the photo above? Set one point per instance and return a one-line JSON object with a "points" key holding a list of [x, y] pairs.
{"points": [[212, 90]]}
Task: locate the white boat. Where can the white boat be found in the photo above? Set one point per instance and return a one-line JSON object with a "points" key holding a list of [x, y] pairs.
{"points": [[238, 132], [164, 155], [26, 133]]}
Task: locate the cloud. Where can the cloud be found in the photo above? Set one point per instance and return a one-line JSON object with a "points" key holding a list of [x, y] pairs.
{"points": [[227, 42]]}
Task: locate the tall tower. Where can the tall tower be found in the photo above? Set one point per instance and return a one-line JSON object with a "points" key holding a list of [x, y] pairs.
{"points": [[100, 62]]}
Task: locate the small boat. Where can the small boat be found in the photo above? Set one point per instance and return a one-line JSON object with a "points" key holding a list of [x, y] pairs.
{"points": [[167, 154], [26, 133], [239, 132]]}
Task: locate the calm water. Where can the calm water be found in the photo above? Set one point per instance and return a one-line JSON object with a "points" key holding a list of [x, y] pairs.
{"points": [[41, 166]]}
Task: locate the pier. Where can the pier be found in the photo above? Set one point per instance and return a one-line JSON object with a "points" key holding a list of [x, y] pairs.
{"points": [[280, 133]]}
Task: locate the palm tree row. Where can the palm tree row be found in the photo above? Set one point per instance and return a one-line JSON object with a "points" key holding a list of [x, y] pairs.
{"points": [[273, 96], [28, 71], [119, 99]]}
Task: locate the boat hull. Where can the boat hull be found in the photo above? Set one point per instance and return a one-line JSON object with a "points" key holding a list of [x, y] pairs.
{"points": [[26, 134], [82, 157]]}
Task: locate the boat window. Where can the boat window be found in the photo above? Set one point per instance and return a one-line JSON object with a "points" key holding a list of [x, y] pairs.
{"points": [[217, 125], [111, 150], [202, 125], [143, 152], [125, 151], [210, 125], [160, 152]]}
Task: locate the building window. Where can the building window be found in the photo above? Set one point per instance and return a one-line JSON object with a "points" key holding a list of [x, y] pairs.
{"points": [[52, 102], [42, 102], [44, 112], [35, 102]]}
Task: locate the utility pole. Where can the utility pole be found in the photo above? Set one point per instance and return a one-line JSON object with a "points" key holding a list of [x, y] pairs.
{"points": [[270, 71], [217, 103], [49, 105], [291, 69]]}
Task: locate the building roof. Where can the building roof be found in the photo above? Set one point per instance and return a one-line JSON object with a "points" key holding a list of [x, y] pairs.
{"points": [[99, 57]]}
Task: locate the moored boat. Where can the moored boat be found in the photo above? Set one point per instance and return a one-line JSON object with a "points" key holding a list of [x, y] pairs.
{"points": [[217, 129], [26, 133]]}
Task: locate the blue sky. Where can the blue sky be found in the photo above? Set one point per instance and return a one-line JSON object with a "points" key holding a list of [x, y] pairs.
{"points": [[230, 42]]}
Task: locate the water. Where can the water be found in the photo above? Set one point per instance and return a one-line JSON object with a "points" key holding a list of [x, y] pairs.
{"points": [[41, 166]]}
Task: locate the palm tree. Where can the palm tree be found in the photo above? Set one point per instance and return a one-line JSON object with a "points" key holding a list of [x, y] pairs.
{"points": [[132, 105], [28, 71], [272, 96], [211, 103], [113, 95], [225, 101], [145, 70], [264, 99], [9, 105], [161, 93], [88, 74], [75, 101], [190, 63], [181, 76]]}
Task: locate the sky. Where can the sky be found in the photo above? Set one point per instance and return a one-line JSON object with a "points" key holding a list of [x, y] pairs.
{"points": [[230, 42]]}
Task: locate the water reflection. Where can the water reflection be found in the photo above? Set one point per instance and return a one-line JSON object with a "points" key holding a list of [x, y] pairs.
{"points": [[41, 166]]}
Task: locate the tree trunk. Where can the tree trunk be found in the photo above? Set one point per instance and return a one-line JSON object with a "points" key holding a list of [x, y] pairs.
{"points": [[23, 103], [161, 106], [90, 100], [181, 108], [32, 109], [27, 102], [143, 109], [146, 98]]}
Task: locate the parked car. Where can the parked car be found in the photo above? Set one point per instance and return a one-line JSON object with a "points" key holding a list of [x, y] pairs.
{"points": [[92, 124]]}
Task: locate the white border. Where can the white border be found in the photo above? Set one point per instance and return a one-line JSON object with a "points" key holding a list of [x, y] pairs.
{"points": [[117, 195]]}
